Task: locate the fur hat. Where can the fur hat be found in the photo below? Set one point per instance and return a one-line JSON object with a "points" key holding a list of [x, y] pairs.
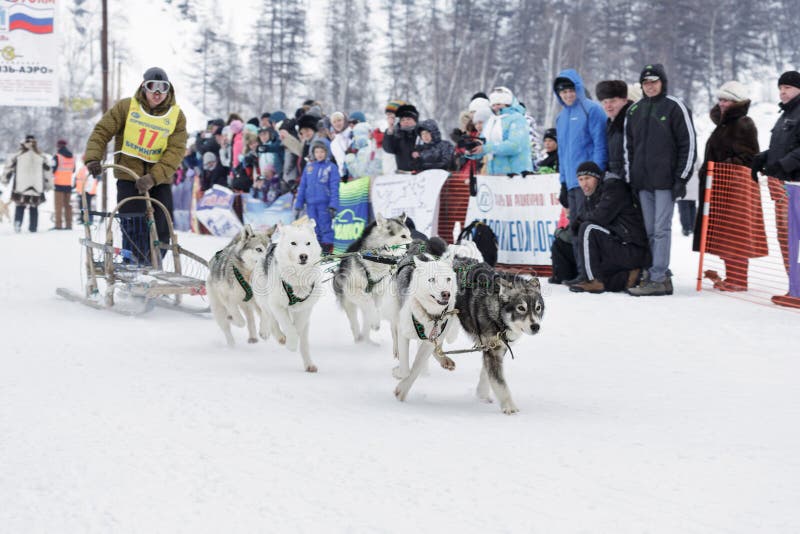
{"points": [[734, 91], [482, 115], [501, 95], [393, 105], [478, 103], [550, 133], [308, 121], [790, 77], [590, 168], [611, 89], [407, 110], [155, 73]]}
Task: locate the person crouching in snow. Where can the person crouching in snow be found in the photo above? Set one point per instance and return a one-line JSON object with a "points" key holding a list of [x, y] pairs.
{"points": [[434, 152], [319, 192]]}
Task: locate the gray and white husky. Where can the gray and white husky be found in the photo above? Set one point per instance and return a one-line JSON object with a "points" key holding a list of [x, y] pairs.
{"points": [[496, 310], [288, 285], [229, 292], [420, 306], [360, 284]]}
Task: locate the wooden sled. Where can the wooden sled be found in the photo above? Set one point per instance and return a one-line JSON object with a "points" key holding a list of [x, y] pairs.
{"points": [[132, 282]]}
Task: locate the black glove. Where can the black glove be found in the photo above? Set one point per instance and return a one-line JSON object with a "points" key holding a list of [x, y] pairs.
{"points": [[575, 225], [775, 170], [563, 196], [144, 184], [332, 212], [757, 164], [94, 167], [678, 189]]}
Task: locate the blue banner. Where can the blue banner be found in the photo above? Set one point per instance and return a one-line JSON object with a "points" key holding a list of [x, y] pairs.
{"points": [[215, 211], [261, 216], [353, 213]]}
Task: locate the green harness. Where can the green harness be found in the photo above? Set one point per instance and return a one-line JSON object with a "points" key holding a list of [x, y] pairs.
{"points": [[294, 299], [420, 328], [248, 291]]}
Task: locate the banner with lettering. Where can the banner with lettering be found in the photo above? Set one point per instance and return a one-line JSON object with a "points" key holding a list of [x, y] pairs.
{"points": [[522, 212], [353, 213], [793, 190], [262, 216], [416, 195], [29, 53], [215, 211]]}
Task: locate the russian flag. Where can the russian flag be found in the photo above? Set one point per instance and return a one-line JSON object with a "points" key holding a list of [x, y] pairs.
{"points": [[30, 19]]}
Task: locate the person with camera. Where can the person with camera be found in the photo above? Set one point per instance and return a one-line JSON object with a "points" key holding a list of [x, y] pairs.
{"points": [[401, 137]]}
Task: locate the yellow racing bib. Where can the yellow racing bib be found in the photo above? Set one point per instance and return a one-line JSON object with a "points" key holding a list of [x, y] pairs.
{"points": [[146, 135]]}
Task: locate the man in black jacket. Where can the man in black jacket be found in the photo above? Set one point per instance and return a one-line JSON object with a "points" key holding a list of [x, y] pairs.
{"points": [[660, 153], [613, 96], [782, 162], [401, 139], [613, 241]]}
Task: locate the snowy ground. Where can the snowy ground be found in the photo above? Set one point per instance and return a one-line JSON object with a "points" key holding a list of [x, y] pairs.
{"points": [[672, 414]]}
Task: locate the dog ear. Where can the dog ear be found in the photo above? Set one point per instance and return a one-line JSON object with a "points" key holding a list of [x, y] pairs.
{"points": [[271, 231], [403, 218], [247, 231], [379, 220], [505, 286], [534, 281]]}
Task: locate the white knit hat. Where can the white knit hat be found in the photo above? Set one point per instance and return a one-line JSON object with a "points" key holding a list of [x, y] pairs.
{"points": [[501, 95], [482, 115], [478, 103], [734, 91]]}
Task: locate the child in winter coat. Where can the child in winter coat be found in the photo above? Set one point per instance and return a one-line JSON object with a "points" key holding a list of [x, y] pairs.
{"points": [[319, 192], [363, 158], [434, 152]]}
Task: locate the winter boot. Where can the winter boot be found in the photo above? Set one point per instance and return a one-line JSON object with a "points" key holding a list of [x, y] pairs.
{"points": [[591, 286], [577, 280], [650, 288], [633, 278]]}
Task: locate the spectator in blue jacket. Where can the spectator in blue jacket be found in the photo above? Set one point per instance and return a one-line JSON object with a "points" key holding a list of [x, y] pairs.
{"points": [[581, 130], [507, 139], [319, 192]]}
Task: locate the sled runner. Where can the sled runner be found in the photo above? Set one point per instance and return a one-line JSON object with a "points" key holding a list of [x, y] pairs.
{"points": [[131, 271]]}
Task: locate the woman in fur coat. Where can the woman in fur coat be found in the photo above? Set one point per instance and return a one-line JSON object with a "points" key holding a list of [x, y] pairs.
{"points": [[32, 175]]}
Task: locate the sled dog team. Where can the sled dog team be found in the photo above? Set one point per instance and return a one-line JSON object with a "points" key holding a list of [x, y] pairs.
{"points": [[425, 290]]}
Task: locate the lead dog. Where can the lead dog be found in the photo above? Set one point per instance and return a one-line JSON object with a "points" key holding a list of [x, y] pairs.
{"points": [[419, 308], [229, 292], [496, 310], [359, 283], [288, 285]]}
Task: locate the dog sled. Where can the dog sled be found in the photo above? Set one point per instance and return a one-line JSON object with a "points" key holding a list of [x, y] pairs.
{"points": [[127, 270]]}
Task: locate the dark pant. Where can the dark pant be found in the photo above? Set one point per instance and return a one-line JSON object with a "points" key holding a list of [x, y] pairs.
{"points": [[608, 259], [563, 257], [576, 202], [687, 210], [135, 233], [33, 216]]}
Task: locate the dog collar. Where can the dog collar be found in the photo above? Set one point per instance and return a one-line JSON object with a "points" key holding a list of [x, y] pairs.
{"points": [[435, 331], [248, 291], [294, 299]]}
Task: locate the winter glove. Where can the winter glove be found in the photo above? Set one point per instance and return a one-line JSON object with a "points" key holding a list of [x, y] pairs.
{"points": [[757, 164], [94, 167], [575, 225], [332, 212], [774, 169], [678, 189], [563, 196], [145, 183]]}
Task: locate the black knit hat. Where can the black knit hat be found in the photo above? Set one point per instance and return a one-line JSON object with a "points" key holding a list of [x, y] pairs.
{"points": [[550, 133], [563, 83], [590, 168], [790, 77], [407, 110], [611, 89], [155, 73]]}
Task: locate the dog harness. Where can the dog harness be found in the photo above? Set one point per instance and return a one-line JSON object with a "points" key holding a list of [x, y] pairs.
{"points": [[370, 282], [294, 299], [248, 291], [435, 331]]}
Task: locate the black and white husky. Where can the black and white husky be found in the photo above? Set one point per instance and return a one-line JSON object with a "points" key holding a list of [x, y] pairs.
{"points": [[229, 292], [360, 284], [288, 285], [496, 310], [420, 308]]}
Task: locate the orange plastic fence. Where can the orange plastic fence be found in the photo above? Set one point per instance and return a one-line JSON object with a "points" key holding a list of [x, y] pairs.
{"points": [[453, 203], [744, 238]]}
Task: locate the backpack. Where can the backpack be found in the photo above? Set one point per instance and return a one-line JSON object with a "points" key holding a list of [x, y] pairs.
{"points": [[484, 238]]}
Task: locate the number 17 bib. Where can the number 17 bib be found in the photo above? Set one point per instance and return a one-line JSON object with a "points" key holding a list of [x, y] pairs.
{"points": [[146, 135]]}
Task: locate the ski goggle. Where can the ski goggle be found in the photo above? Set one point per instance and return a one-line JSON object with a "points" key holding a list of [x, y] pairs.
{"points": [[156, 86]]}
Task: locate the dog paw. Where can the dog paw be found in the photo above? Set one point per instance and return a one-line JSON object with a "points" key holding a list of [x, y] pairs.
{"points": [[311, 368], [447, 363], [400, 393], [398, 373], [263, 334], [358, 338], [252, 340], [509, 408], [281, 340]]}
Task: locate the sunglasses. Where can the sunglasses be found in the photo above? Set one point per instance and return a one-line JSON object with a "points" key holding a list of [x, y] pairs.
{"points": [[156, 86]]}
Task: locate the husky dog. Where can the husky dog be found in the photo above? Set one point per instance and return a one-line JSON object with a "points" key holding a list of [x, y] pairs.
{"points": [[360, 284], [496, 310], [421, 308], [229, 271], [288, 285]]}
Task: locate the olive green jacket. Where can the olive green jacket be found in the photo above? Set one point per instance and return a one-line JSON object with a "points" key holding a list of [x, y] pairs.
{"points": [[112, 124]]}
